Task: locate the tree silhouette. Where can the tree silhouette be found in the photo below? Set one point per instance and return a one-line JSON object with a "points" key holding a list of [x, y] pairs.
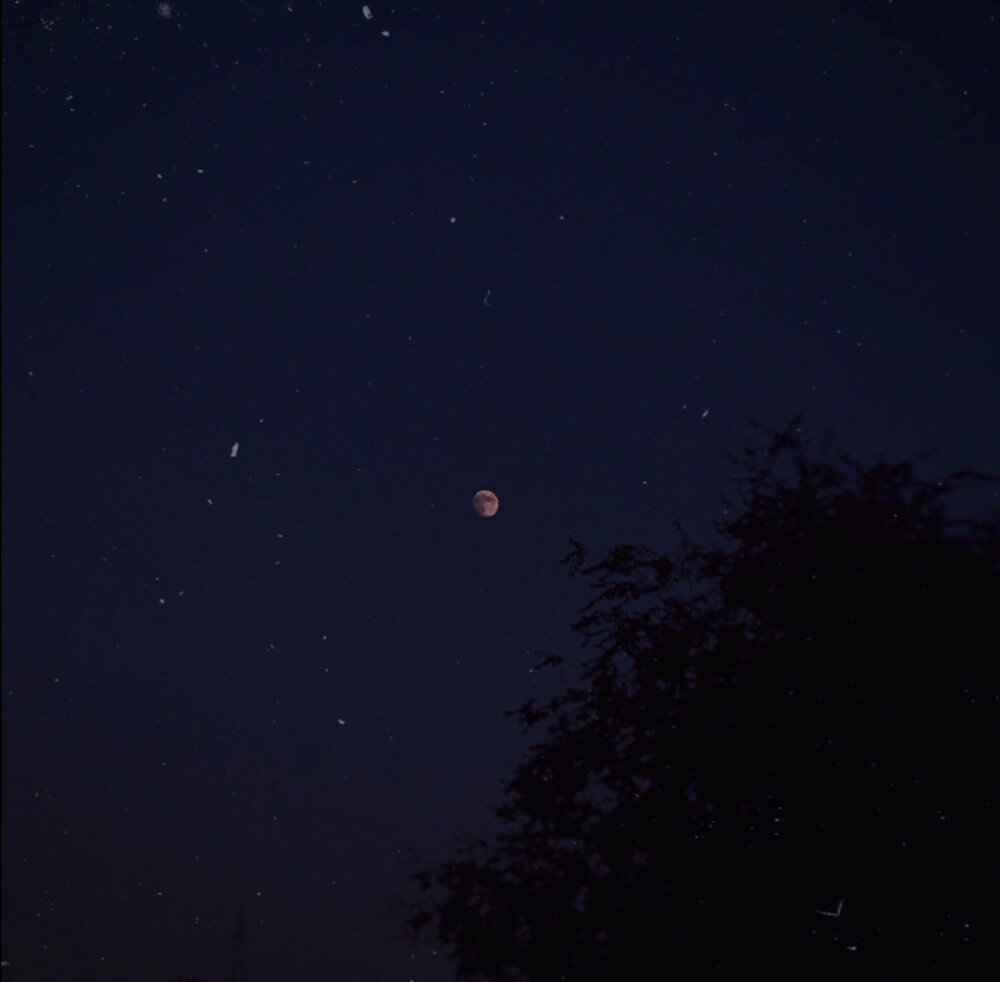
{"points": [[777, 755]]}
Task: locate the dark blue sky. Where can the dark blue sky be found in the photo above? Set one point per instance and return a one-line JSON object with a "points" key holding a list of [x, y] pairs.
{"points": [[561, 250]]}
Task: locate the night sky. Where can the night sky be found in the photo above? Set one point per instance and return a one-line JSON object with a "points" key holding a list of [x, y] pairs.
{"points": [[285, 285]]}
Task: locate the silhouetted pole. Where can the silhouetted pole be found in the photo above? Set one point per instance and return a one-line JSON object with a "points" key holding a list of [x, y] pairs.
{"points": [[239, 969]]}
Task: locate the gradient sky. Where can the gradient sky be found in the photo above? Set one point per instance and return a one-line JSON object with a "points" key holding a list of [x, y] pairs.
{"points": [[562, 250]]}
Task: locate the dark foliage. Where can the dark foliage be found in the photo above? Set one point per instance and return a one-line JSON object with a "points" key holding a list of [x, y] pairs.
{"points": [[799, 723]]}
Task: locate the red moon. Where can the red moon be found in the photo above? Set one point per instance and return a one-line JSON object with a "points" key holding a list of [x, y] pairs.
{"points": [[486, 503]]}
